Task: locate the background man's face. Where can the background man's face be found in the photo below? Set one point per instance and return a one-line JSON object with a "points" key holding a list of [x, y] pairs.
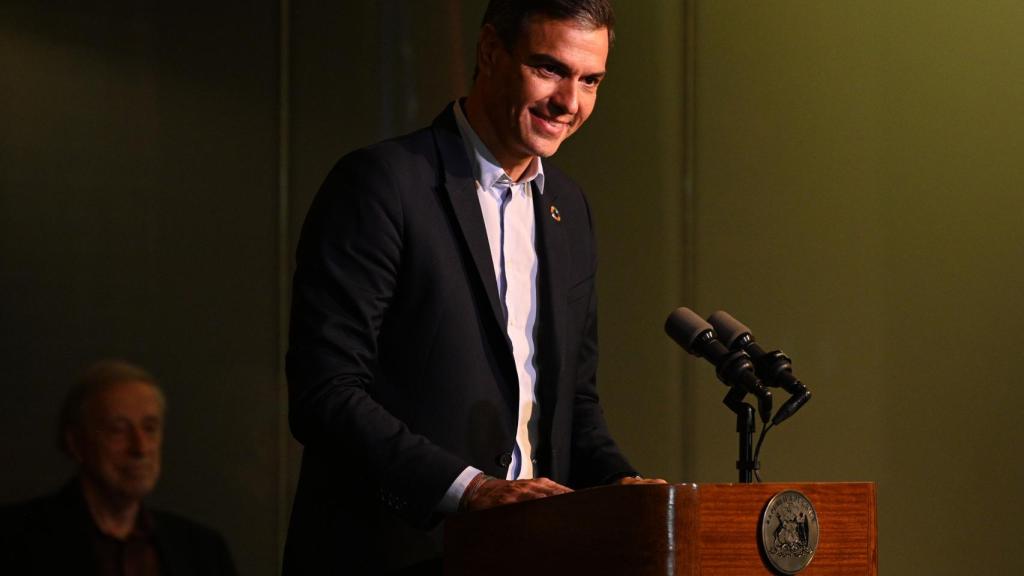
{"points": [[546, 88], [118, 446]]}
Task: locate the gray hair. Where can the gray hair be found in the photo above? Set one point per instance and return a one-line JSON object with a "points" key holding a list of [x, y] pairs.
{"points": [[95, 379]]}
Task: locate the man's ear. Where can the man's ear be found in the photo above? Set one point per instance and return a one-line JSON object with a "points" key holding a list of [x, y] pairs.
{"points": [[73, 445], [487, 47]]}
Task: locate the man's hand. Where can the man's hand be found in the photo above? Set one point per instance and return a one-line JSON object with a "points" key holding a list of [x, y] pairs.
{"points": [[487, 492], [639, 480]]}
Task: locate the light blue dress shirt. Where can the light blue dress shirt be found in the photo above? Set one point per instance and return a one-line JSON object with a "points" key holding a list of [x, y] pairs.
{"points": [[507, 210]]}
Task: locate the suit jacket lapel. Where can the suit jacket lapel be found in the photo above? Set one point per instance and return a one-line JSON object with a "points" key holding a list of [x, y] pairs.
{"points": [[460, 188]]}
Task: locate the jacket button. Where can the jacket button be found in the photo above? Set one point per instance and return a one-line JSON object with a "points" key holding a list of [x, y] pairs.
{"points": [[504, 459]]}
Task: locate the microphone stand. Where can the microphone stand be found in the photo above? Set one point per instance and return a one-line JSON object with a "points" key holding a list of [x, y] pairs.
{"points": [[745, 428]]}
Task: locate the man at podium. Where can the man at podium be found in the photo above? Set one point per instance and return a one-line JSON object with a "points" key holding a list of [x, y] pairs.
{"points": [[443, 347]]}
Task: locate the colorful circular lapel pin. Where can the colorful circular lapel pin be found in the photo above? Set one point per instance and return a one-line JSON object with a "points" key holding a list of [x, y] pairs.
{"points": [[555, 214]]}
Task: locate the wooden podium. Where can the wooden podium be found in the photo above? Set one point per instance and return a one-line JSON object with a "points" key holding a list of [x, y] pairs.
{"points": [[681, 529]]}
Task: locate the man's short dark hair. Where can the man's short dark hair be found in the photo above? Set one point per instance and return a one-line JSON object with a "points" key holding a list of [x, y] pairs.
{"points": [[509, 17], [95, 379]]}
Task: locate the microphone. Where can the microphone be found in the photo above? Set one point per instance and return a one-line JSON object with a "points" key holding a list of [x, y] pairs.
{"points": [[773, 368], [734, 369]]}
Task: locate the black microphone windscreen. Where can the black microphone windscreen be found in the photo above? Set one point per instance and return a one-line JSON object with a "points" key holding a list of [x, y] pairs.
{"points": [[727, 327], [684, 325]]}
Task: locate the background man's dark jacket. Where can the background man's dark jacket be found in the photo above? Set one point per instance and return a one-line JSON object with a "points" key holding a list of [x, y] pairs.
{"points": [[399, 367], [54, 535]]}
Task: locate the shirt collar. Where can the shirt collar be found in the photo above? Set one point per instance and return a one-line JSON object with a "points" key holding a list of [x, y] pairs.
{"points": [[485, 166]]}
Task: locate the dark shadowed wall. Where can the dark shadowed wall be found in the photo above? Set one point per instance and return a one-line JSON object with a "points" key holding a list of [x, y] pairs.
{"points": [[138, 196], [844, 178]]}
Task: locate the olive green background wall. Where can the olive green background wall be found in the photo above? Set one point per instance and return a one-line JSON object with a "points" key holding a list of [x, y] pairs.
{"points": [[857, 201], [843, 177]]}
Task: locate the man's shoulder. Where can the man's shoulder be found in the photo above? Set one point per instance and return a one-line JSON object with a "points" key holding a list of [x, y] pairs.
{"points": [[23, 507], [404, 147], [393, 169], [31, 530], [408, 157], [38, 509], [22, 516], [416, 147]]}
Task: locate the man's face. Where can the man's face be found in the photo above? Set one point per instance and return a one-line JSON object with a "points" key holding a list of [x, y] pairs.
{"points": [[545, 88], [118, 445]]}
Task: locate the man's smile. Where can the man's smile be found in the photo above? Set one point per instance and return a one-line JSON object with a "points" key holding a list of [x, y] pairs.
{"points": [[551, 126]]}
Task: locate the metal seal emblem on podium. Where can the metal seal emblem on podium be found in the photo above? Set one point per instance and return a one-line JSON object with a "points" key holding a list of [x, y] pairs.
{"points": [[789, 531]]}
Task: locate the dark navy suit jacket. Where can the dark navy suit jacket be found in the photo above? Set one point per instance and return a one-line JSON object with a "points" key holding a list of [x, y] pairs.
{"points": [[399, 368]]}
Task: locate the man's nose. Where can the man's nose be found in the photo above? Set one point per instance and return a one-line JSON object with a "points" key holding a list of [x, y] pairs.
{"points": [[566, 97], [139, 441]]}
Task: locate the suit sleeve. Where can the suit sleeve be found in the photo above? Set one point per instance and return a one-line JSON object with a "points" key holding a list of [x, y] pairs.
{"points": [[596, 459], [347, 270]]}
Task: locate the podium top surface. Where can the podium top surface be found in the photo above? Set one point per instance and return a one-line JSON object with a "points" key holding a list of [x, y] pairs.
{"points": [[674, 529]]}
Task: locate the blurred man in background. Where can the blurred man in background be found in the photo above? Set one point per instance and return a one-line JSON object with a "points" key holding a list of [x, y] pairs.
{"points": [[111, 425]]}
